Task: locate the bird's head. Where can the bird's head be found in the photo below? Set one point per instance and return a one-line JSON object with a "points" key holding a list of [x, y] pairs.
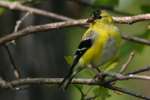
{"points": [[102, 16]]}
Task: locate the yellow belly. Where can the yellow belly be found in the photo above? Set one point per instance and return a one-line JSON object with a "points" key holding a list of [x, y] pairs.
{"points": [[108, 51], [104, 47]]}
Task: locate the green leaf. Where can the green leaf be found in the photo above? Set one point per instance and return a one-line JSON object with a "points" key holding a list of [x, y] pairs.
{"points": [[87, 72], [145, 8], [101, 93], [78, 86], [69, 59], [105, 2]]}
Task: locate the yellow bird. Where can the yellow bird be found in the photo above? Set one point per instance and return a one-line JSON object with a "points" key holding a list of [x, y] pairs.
{"points": [[98, 45]]}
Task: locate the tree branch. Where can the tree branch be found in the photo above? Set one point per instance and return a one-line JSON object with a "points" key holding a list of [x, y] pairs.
{"points": [[20, 21], [125, 65], [39, 28], [28, 81], [31, 81], [17, 72], [127, 76], [141, 70], [132, 19], [20, 7], [58, 25], [68, 22], [126, 91], [136, 39]]}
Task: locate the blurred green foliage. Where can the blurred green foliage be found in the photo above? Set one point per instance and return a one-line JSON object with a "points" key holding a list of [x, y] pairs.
{"points": [[140, 29], [101, 93], [145, 8], [105, 2], [128, 47]]}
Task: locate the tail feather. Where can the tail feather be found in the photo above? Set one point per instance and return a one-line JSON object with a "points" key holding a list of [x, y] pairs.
{"points": [[66, 81]]}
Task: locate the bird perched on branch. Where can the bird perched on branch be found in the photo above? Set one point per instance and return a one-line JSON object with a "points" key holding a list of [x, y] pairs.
{"points": [[98, 45]]}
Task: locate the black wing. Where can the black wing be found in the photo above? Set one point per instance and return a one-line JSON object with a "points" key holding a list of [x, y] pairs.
{"points": [[84, 45], [82, 48]]}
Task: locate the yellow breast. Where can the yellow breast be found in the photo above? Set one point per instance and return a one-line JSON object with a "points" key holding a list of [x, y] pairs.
{"points": [[104, 46]]}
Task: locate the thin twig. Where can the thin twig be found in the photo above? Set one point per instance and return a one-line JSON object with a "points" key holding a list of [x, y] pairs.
{"points": [[141, 70], [81, 92], [125, 65], [136, 39], [19, 22], [132, 19], [141, 77], [40, 28], [119, 77], [126, 91], [17, 72], [20, 7]]}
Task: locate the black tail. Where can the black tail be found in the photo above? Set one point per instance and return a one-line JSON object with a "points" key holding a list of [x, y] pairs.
{"points": [[68, 78]]}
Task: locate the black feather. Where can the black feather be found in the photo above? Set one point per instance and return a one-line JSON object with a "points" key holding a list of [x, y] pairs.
{"points": [[96, 14], [84, 45], [82, 48]]}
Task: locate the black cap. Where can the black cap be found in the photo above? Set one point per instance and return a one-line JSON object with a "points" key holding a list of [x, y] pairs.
{"points": [[96, 14]]}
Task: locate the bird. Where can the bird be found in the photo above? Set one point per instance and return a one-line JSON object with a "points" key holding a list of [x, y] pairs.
{"points": [[99, 45]]}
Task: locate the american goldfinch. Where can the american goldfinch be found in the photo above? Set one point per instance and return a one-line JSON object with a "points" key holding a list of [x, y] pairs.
{"points": [[98, 45]]}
